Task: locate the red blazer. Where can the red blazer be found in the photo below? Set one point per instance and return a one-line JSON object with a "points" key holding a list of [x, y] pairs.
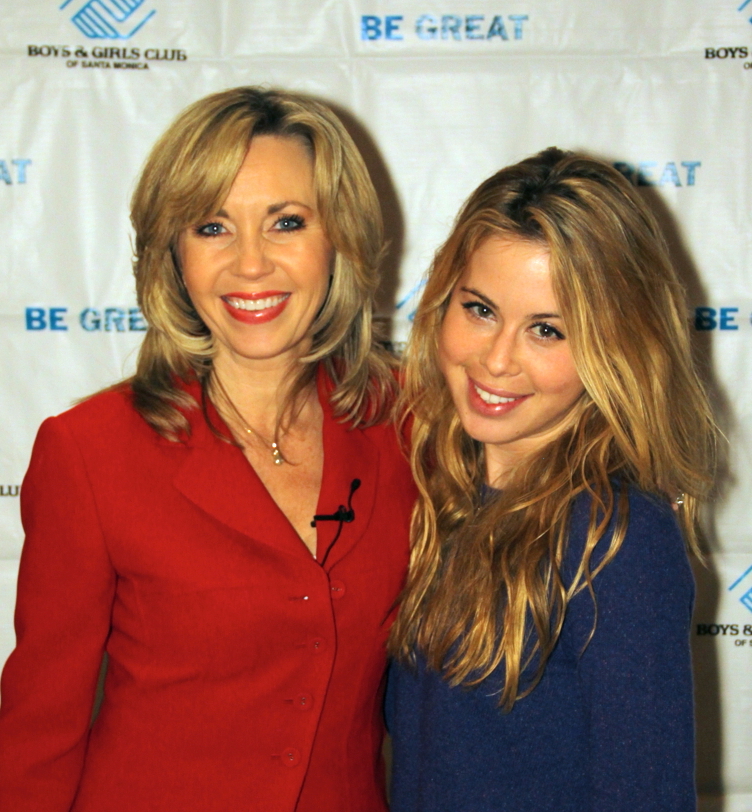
{"points": [[242, 674]]}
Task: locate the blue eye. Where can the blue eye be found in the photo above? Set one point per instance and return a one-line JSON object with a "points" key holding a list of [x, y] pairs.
{"points": [[212, 229], [289, 222], [547, 331], [478, 309]]}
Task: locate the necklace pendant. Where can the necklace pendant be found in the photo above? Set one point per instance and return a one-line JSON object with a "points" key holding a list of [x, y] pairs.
{"points": [[277, 455]]}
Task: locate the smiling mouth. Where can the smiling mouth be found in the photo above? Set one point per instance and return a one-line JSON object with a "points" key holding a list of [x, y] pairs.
{"points": [[253, 305], [494, 400]]}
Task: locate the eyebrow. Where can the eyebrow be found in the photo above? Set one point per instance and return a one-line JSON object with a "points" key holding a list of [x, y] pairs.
{"points": [[279, 206], [491, 303], [479, 295], [274, 208]]}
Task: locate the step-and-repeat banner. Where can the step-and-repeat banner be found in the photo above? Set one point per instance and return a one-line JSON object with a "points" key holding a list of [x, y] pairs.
{"points": [[438, 94]]}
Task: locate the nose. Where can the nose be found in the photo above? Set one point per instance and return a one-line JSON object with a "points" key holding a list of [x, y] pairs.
{"points": [[501, 354], [252, 260]]}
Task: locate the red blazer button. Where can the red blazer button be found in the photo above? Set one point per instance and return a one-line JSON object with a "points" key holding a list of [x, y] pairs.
{"points": [[318, 645], [291, 757], [304, 702], [337, 589]]}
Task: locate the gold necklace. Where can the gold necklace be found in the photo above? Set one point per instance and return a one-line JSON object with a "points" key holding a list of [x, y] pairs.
{"points": [[276, 453], [273, 445]]}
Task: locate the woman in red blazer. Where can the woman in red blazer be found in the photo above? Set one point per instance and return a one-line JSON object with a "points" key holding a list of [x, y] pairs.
{"points": [[170, 520]]}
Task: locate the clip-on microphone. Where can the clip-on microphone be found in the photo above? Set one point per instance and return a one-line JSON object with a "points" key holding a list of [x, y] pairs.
{"points": [[342, 514]]}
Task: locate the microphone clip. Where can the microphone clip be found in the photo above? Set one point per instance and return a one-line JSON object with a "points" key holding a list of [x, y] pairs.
{"points": [[342, 514]]}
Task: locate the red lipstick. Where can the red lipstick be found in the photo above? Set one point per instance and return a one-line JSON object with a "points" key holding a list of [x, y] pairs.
{"points": [[263, 314]]}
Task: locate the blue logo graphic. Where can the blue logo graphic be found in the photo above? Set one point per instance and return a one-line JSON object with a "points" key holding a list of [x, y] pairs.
{"points": [[411, 299], [91, 319], [743, 6], [18, 168], [445, 27], [743, 588], [651, 173], [716, 318], [110, 19]]}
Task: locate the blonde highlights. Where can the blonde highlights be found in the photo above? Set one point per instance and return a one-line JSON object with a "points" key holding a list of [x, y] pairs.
{"points": [[485, 586], [186, 178]]}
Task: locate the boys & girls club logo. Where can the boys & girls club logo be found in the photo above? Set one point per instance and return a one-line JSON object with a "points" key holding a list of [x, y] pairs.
{"points": [[109, 19], [741, 588], [114, 20], [729, 53]]}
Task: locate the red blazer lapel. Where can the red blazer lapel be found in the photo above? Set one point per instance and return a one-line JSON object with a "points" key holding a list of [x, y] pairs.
{"points": [[218, 479]]}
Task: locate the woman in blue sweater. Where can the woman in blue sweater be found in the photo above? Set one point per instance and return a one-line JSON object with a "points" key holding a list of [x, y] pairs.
{"points": [[542, 657]]}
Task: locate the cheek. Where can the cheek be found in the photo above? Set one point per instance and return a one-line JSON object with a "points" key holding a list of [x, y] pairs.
{"points": [[196, 284], [561, 377], [448, 361], [453, 341], [453, 367], [192, 263], [318, 287], [315, 264]]}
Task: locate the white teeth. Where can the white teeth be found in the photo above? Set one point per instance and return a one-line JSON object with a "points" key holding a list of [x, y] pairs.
{"points": [[255, 304], [487, 397]]}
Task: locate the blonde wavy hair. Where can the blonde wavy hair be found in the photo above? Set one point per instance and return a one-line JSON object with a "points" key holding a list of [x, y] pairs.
{"points": [[485, 584], [185, 179]]}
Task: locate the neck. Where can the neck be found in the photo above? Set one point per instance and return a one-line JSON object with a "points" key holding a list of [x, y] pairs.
{"points": [[500, 465], [258, 395]]}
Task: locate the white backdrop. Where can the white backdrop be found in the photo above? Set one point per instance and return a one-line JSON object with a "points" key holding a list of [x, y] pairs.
{"points": [[439, 94]]}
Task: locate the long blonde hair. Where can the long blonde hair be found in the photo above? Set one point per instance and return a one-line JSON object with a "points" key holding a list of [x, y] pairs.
{"points": [[485, 584], [186, 178]]}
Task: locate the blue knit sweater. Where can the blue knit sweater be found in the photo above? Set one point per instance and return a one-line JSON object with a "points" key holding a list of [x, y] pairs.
{"points": [[609, 729]]}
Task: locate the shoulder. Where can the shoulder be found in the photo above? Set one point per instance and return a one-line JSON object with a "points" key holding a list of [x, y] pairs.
{"points": [[105, 413], [652, 551], [650, 518], [104, 425], [644, 595], [103, 444]]}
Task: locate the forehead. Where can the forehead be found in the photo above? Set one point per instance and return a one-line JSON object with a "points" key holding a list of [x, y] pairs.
{"points": [[503, 268], [275, 164]]}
